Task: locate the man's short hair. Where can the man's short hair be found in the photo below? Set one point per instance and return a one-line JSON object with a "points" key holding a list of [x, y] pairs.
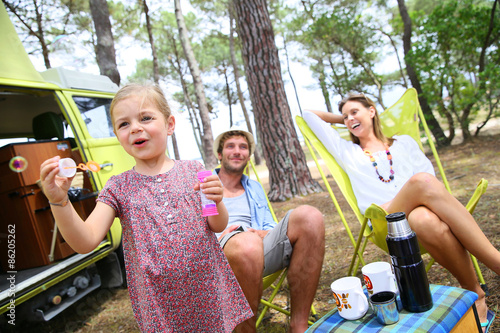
{"points": [[224, 136]]}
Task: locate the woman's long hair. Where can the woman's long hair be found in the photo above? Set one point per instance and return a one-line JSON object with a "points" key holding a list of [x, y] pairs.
{"points": [[367, 103]]}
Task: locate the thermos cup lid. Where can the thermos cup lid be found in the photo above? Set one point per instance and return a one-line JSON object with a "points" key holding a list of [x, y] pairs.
{"points": [[397, 225], [394, 217]]}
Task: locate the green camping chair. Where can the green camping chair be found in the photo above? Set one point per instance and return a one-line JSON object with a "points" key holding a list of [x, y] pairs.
{"points": [[401, 118], [275, 280]]}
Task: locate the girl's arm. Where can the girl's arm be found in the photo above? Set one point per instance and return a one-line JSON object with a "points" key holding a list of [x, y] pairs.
{"points": [[82, 236], [212, 187], [218, 223], [328, 117]]}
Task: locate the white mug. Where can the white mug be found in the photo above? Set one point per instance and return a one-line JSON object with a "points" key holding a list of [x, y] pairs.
{"points": [[378, 276], [351, 302]]}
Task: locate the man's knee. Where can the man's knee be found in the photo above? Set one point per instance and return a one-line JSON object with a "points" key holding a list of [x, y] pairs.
{"points": [[307, 218], [245, 249], [306, 223]]}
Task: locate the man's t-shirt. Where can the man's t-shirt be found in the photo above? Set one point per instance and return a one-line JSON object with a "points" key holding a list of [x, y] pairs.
{"points": [[239, 211]]}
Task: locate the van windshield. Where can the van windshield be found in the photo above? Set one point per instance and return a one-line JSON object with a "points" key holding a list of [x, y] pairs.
{"points": [[95, 113]]}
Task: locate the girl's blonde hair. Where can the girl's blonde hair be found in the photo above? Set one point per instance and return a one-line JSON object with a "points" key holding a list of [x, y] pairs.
{"points": [[367, 103], [149, 92]]}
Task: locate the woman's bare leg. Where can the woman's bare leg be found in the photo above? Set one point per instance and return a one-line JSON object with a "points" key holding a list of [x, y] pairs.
{"points": [[445, 248], [425, 190]]}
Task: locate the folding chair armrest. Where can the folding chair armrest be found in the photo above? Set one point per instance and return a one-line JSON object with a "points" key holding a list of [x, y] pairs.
{"points": [[378, 225], [480, 190]]}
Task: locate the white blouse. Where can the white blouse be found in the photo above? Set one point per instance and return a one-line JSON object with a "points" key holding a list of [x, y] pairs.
{"points": [[407, 160]]}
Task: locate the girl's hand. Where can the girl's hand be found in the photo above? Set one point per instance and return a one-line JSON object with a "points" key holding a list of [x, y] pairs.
{"points": [[54, 187], [212, 188]]}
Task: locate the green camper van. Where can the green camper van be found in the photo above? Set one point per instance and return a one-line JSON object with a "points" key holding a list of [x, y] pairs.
{"points": [[43, 114]]}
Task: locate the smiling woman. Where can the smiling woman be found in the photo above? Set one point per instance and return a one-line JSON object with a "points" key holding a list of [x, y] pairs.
{"points": [[398, 177]]}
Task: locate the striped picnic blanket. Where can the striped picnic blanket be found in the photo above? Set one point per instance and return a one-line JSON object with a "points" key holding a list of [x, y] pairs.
{"points": [[450, 304]]}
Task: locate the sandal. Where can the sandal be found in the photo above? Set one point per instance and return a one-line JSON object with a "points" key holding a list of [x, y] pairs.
{"points": [[490, 317]]}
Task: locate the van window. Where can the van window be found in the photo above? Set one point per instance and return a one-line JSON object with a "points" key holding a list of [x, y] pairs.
{"points": [[95, 113]]}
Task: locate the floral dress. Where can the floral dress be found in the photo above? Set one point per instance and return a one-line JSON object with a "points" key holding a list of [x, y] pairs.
{"points": [[178, 277]]}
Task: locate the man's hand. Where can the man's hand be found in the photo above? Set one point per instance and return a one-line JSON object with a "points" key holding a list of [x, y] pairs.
{"points": [[229, 229], [261, 233]]}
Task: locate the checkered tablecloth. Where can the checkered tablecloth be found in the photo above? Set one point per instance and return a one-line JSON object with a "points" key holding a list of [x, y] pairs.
{"points": [[450, 304]]}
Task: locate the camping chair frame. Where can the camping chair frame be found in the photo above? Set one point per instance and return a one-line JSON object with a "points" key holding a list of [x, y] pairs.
{"points": [[375, 211], [269, 281]]}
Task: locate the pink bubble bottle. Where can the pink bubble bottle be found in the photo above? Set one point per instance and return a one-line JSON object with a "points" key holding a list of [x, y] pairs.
{"points": [[208, 206]]}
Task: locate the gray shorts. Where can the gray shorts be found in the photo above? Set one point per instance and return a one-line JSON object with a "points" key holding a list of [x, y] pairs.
{"points": [[277, 247]]}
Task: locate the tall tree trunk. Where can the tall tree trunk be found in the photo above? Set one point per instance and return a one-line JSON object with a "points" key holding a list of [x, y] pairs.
{"points": [[156, 70], [290, 74], [289, 175], [464, 120], [437, 131], [228, 95], [149, 28], [236, 73], [207, 138], [401, 70], [176, 63], [322, 83], [41, 36], [105, 48]]}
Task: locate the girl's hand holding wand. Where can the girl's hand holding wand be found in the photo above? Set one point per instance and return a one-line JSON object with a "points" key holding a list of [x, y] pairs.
{"points": [[54, 187]]}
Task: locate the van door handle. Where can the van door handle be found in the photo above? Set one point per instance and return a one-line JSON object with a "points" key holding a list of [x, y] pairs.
{"points": [[105, 165]]}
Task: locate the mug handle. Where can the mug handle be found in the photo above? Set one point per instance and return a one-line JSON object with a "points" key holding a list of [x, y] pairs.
{"points": [[363, 304]]}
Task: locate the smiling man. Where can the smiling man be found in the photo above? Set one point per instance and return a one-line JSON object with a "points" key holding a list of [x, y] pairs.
{"points": [[255, 245]]}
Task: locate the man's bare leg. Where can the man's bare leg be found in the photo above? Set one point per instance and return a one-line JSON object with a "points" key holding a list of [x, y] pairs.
{"points": [[245, 254], [306, 232]]}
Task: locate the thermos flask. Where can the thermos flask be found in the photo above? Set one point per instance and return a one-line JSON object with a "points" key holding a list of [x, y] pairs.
{"points": [[408, 265]]}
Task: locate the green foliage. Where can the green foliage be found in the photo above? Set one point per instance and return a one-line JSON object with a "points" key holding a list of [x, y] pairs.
{"points": [[345, 39], [446, 54], [344, 43]]}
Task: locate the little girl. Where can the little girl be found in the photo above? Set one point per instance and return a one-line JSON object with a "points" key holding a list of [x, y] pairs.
{"points": [[178, 277]]}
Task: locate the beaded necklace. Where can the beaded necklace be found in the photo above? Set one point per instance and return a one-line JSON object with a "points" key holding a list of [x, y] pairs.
{"points": [[372, 159]]}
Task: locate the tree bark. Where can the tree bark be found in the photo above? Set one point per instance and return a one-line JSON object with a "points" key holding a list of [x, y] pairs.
{"points": [[207, 138], [289, 175], [437, 131], [105, 48], [236, 73]]}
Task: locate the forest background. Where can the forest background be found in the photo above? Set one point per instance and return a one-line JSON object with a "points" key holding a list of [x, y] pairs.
{"points": [[227, 62]]}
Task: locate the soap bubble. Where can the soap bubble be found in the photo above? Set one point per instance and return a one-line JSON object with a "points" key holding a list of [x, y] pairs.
{"points": [[18, 164]]}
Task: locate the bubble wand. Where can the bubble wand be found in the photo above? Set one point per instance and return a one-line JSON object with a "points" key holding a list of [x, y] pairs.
{"points": [[67, 167]]}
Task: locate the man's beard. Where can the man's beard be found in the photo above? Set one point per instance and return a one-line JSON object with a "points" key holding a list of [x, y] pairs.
{"points": [[230, 169]]}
